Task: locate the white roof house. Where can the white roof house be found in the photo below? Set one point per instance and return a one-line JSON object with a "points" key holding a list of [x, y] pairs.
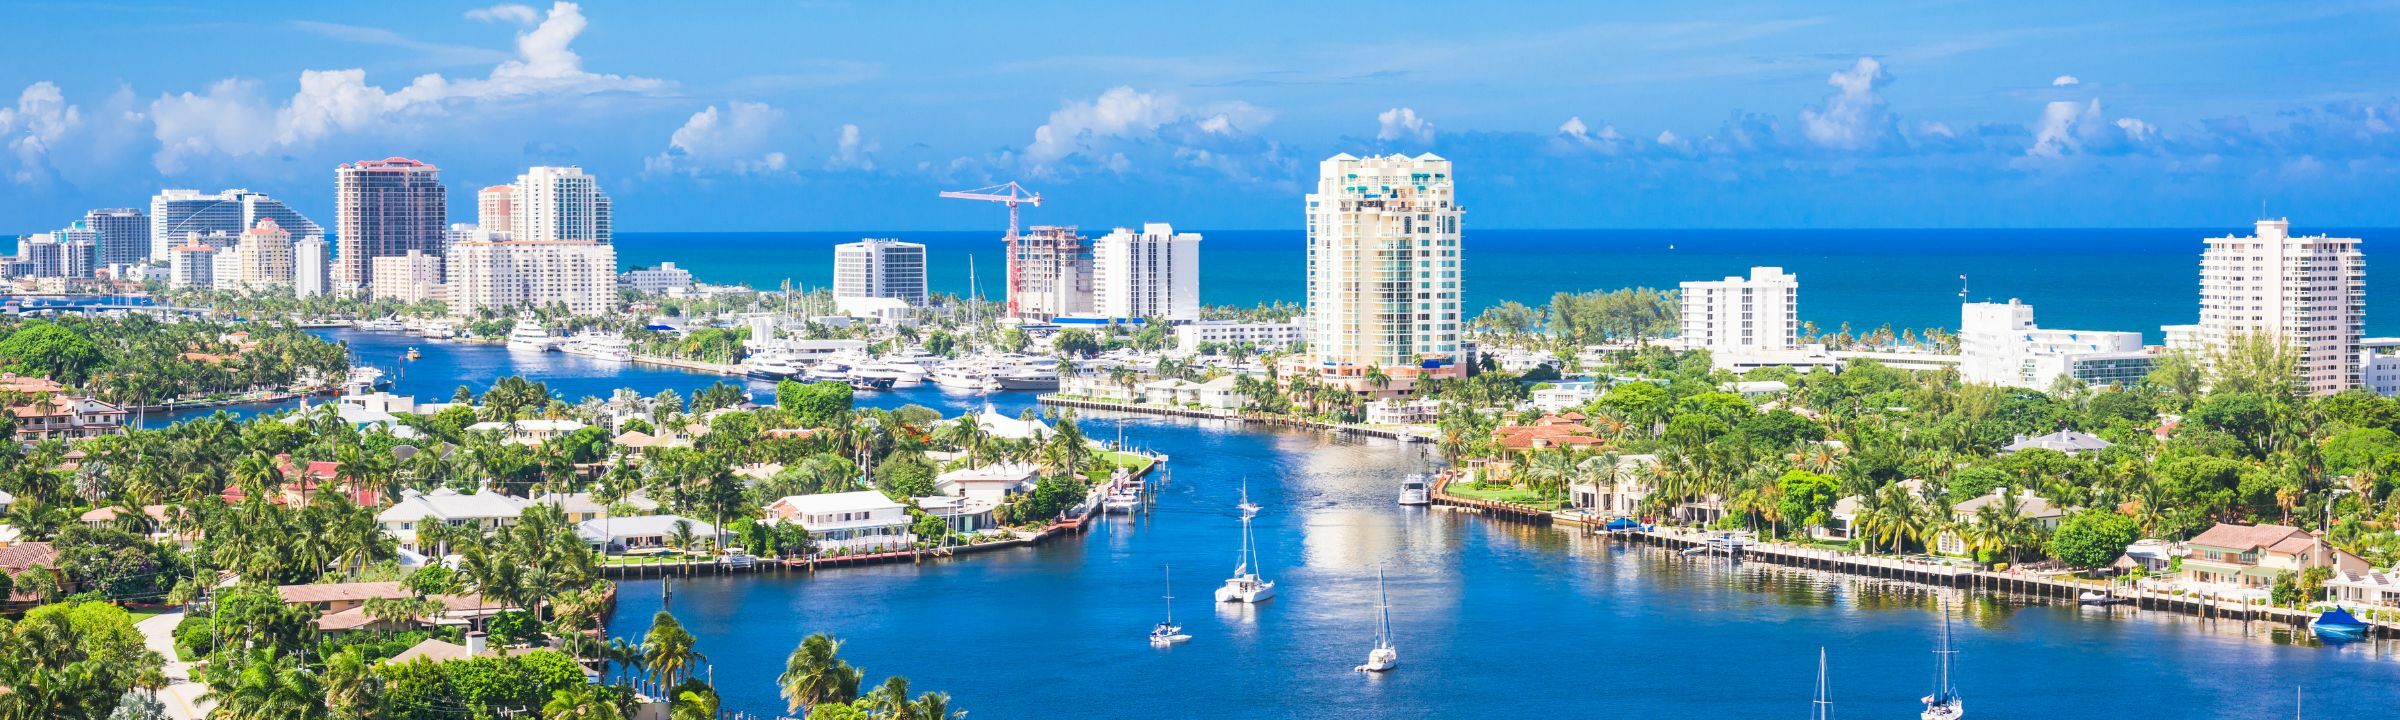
{"points": [[581, 506], [846, 521], [997, 480], [638, 532], [527, 432], [361, 418], [485, 509], [1003, 426], [2065, 441]]}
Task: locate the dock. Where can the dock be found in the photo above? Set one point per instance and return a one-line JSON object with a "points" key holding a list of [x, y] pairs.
{"points": [[1232, 415]]}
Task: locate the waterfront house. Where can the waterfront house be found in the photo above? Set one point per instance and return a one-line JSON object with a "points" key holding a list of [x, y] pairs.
{"points": [[2065, 441], [62, 417], [963, 514], [861, 520], [2371, 588], [1403, 412], [527, 432], [582, 506], [1551, 431], [1218, 393], [996, 481], [485, 510], [617, 536], [2024, 504], [1622, 498], [2249, 557], [2148, 555], [1565, 395], [1841, 523], [302, 480]]}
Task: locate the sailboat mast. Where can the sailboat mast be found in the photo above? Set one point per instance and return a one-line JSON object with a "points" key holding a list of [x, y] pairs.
{"points": [[1383, 611], [1170, 594]]}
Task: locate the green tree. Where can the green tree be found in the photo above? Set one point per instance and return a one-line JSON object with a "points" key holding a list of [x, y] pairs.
{"points": [[816, 405], [815, 675], [2092, 538], [45, 349]]}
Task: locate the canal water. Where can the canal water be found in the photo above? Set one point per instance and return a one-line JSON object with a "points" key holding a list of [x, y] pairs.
{"points": [[1491, 619]]}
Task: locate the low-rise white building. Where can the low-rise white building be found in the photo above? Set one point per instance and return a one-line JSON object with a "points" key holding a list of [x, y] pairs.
{"points": [[2372, 588], [1999, 344], [1622, 493], [1403, 412], [1565, 395], [996, 481], [1262, 335], [661, 280], [2379, 365], [851, 521], [484, 510], [620, 535]]}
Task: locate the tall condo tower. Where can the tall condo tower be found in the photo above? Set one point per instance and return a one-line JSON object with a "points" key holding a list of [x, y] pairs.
{"points": [[2309, 291], [1150, 273], [1760, 312], [550, 204], [1051, 271], [123, 234], [1383, 264], [496, 208], [384, 208], [880, 268]]}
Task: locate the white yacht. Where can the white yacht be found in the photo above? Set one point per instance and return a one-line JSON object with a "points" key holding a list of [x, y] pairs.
{"points": [[1168, 633], [598, 345], [1413, 491], [529, 335], [1033, 373], [769, 366], [1384, 656], [964, 376], [896, 375], [1246, 585], [385, 325], [826, 370]]}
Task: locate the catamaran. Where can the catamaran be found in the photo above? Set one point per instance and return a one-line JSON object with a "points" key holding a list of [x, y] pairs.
{"points": [[1168, 633], [1246, 585], [1944, 703], [1383, 657]]}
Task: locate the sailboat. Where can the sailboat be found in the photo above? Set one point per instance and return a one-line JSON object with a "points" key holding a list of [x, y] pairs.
{"points": [[1384, 656], [1168, 633], [1246, 585], [1944, 703], [1822, 709]]}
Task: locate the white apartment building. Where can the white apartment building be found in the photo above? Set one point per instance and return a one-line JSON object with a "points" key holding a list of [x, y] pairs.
{"points": [[658, 280], [2311, 291], [1383, 265], [175, 214], [1152, 273], [266, 257], [1999, 344], [1262, 335], [412, 278], [2379, 365], [1049, 274], [309, 270], [556, 204], [123, 235], [503, 274], [879, 268], [1736, 315], [192, 266]]}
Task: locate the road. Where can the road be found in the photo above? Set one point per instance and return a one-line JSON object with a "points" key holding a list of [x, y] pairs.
{"points": [[182, 696]]}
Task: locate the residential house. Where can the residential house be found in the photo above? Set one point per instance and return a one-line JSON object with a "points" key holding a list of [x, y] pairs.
{"points": [[617, 536], [2148, 555], [485, 510], [1841, 523], [1419, 411], [1564, 395], [2026, 505], [996, 481], [16, 559], [2250, 557], [1551, 431], [63, 417], [1622, 498], [2066, 441], [303, 480], [1005, 427], [341, 607], [527, 432], [964, 514], [582, 506], [2371, 588], [861, 520]]}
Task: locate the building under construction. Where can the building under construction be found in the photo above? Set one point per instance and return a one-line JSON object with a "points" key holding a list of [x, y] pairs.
{"points": [[1050, 273]]}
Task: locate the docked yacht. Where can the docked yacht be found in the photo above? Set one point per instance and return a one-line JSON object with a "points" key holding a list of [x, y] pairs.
{"points": [[530, 335], [385, 325], [1038, 374], [598, 345], [964, 376], [826, 371], [889, 373], [1414, 492]]}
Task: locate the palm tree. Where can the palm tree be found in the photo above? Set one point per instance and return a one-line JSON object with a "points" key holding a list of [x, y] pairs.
{"points": [[350, 685], [667, 649], [890, 702], [814, 674], [272, 687], [583, 702], [936, 706]]}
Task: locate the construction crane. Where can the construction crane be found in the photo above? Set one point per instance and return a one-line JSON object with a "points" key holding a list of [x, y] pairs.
{"points": [[1010, 194]]}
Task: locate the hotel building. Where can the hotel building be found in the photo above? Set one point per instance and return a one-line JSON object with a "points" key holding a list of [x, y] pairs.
{"points": [[1383, 266], [1735, 315], [384, 208], [878, 268], [122, 234], [1151, 273], [504, 274], [176, 214], [2310, 291], [1999, 344]]}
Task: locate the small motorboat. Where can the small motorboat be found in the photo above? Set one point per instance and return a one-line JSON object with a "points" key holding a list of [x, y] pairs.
{"points": [[1414, 492], [413, 354], [2338, 625], [2088, 597]]}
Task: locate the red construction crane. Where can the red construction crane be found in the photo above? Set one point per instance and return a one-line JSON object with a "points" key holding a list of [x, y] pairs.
{"points": [[1011, 194]]}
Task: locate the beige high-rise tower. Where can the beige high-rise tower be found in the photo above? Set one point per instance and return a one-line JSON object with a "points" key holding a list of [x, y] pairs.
{"points": [[1383, 266], [383, 208], [2311, 291]]}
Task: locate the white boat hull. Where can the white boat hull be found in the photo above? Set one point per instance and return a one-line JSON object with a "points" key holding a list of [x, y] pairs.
{"points": [[1952, 710], [1381, 659], [1245, 591], [1415, 497]]}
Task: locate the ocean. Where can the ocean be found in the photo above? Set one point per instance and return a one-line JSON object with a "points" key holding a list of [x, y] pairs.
{"points": [[2085, 279]]}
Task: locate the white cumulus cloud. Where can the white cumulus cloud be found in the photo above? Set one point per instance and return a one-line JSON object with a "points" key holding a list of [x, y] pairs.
{"points": [[519, 14], [851, 150], [1853, 118], [231, 118], [736, 140], [2065, 81], [1403, 123], [41, 118], [2072, 128], [1606, 140], [1092, 129]]}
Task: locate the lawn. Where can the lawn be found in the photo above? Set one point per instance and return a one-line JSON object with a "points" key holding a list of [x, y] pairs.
{"points": [[1510, 494]]}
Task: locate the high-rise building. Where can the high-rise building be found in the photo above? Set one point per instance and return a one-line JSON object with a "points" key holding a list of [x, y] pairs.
{"points": [[383, 208], [176, 214], [880, 268], [1761, 312], [1999, 344], [1383, 265], [1050, 274], [1153, 273], [192, 266], [2310, 292], [411, 278], [504, 274], [495, 207], [308, 266], [557, 203], [123, 234], [266, 257]]}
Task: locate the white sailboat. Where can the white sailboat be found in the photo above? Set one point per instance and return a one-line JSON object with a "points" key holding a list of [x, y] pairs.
{"points": [[1168, 633], [1944, 703], [1246, 585], [1384, 656], [1822, 709]]}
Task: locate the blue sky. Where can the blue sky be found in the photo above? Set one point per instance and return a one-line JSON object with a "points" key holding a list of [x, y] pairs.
{"points": [[851, 115]]}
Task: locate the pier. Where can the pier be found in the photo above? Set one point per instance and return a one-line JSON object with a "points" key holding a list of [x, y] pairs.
{"points": [[1233, 415]]}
